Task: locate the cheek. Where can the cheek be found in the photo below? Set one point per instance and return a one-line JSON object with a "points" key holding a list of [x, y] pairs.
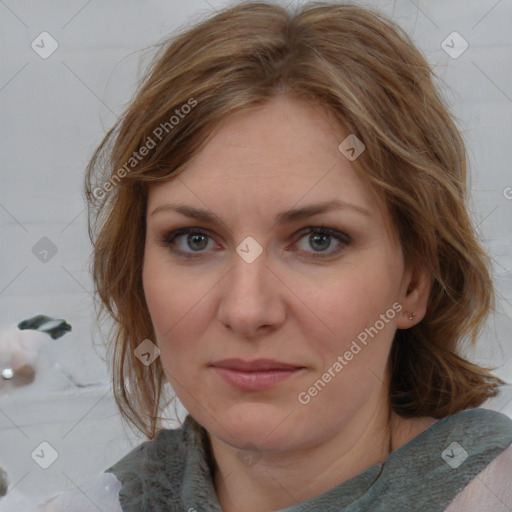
{"points": [[356, 306], [177, 305], [352, 353], [354, 299]]}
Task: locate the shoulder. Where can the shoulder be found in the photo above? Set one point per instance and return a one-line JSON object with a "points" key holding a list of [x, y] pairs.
{"points": [[446, 458], [482, 433], [168, 447], [153, 473], [476, 444], [149, 471], [490, 490]]}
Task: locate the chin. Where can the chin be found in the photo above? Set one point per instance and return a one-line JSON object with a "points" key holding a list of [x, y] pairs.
{"points": [[266, 426]]}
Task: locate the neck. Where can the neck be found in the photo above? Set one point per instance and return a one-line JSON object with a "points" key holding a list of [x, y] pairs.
{"points": [[280, 480]]}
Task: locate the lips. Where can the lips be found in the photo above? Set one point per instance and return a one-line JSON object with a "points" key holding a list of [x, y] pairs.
{"points": [[255, 365], [254, 375]]}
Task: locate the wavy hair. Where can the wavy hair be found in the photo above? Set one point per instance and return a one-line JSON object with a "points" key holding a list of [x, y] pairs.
{"points": [[365, 71]]}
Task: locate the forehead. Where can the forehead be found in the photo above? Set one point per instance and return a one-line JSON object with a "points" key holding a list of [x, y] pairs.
{"points": [[277, 155]]}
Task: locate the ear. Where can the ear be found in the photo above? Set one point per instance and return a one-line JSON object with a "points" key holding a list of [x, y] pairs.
{"points": [[415, 292]]}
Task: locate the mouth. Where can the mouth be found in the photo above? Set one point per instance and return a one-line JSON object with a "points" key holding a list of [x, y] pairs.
{"points": [[255, 375]]}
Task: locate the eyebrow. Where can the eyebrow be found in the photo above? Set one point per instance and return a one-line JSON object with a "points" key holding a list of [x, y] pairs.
{"points": [[282, 218]]}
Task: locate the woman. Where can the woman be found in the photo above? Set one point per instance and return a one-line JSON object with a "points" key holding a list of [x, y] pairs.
{"points": [[280, 233]]}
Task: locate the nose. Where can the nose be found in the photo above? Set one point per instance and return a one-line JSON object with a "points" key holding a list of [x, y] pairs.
{"points": [[252, 303]]}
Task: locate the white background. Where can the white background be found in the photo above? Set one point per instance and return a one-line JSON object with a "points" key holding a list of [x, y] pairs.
{"points": [[54, 112]]}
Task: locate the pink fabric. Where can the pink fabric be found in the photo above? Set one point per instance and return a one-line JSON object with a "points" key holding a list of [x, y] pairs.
{"points": [[101, 493], [490, 490]]}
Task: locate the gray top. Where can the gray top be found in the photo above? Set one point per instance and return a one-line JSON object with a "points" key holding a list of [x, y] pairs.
{"points": [[174, 471]]}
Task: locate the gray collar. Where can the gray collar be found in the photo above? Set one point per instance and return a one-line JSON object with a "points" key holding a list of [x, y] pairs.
{"points": [[174, 472]]}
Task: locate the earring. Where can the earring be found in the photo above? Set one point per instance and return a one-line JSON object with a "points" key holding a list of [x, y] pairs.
{"points": [[411, 317]]}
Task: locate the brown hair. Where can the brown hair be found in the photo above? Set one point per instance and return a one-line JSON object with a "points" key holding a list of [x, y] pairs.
{"points": [[367, 74]]}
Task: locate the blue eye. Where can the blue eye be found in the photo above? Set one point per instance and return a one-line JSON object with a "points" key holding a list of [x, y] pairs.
{"points": [[196, 240], [192, 242], [320, 239]]}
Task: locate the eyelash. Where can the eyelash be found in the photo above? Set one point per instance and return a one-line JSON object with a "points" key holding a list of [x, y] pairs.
{"points": [[168, 240]]}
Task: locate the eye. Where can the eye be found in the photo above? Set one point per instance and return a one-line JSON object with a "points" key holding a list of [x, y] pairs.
{"points": [[190, 241], [320, 238]]}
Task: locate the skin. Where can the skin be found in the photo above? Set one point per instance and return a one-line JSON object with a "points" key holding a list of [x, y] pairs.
{"points": [[285, 305]]}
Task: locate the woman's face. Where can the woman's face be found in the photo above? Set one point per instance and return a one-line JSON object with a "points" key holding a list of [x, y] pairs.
{"points": [[322, 305]]}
